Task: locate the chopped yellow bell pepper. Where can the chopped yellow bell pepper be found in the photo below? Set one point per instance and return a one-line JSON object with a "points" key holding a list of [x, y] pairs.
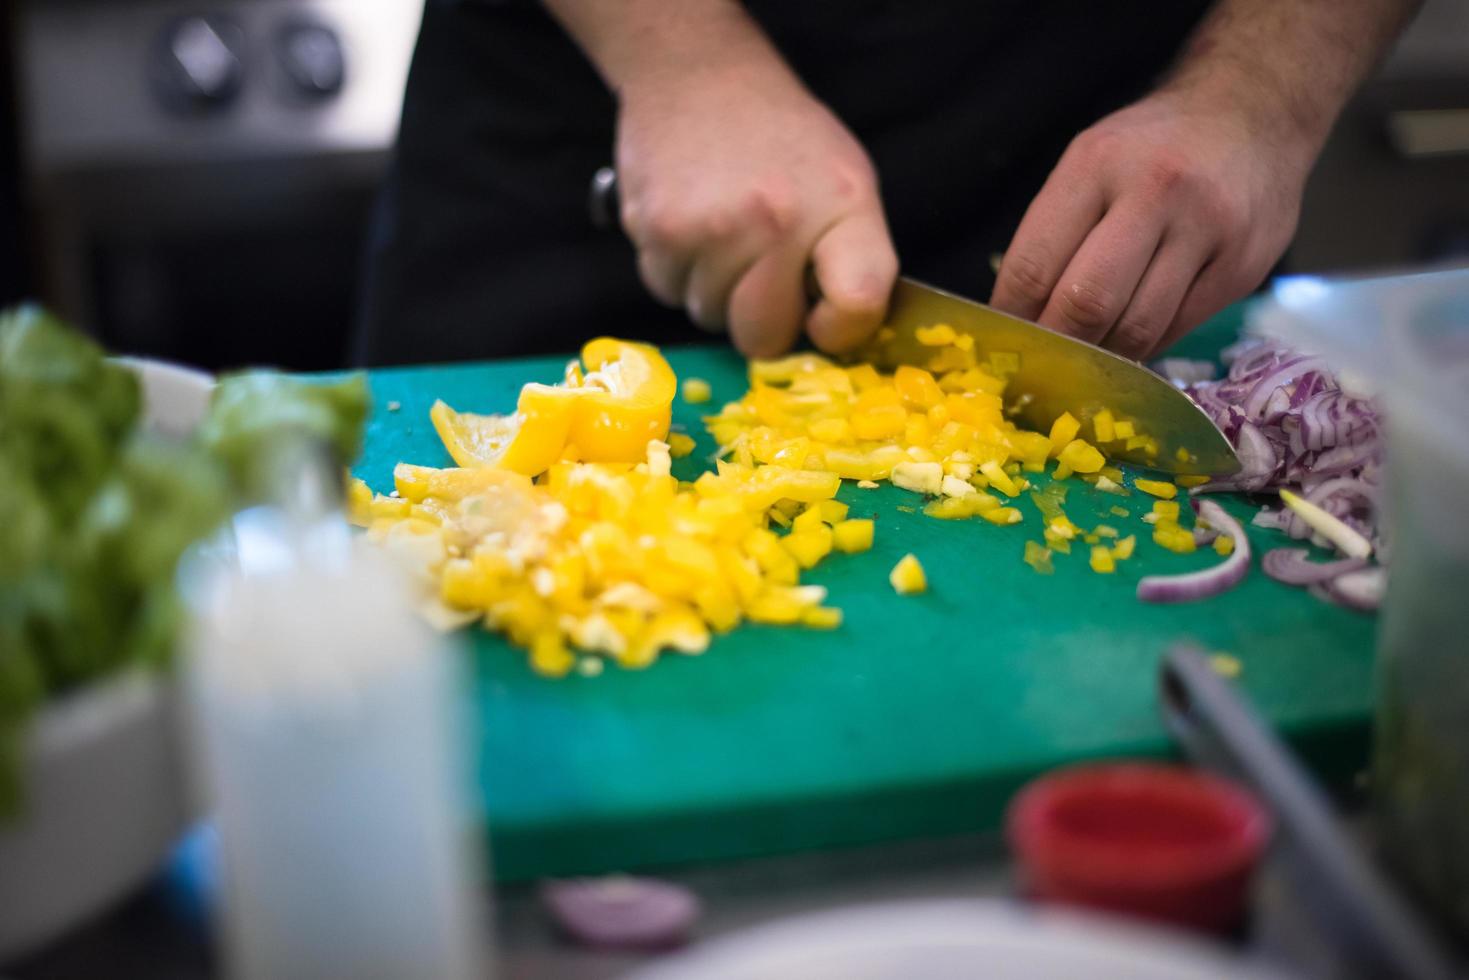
{"points": [[1102, 560], [851, 536], [1157, 488], [608, 413], [907, 576], [696, 391]]}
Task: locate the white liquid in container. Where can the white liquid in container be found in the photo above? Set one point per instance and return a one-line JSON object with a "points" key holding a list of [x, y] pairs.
{"points": [[327, 731]]}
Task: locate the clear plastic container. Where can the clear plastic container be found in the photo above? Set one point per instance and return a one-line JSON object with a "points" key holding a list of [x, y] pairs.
{"points": [[330, 737], [1407, 337]]}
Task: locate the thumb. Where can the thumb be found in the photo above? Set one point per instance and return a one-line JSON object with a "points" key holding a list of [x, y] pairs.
{"points": [[855, 267]]}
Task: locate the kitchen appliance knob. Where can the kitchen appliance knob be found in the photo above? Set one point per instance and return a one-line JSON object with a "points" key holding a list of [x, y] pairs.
{"points": [[313, 59], [199, 64]]}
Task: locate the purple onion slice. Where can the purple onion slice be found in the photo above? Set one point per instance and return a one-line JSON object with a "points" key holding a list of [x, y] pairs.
{"points": [[622, 912]]}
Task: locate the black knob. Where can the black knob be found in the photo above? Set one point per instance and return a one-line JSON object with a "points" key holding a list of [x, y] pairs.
{"points": [[312, 57], [198, 63]]}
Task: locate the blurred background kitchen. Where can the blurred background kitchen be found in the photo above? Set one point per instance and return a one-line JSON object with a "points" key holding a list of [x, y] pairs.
{"points": [[195, 180]]}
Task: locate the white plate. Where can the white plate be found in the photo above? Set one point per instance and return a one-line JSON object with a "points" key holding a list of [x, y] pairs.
{"points": [[103, 781], [949, 939]]}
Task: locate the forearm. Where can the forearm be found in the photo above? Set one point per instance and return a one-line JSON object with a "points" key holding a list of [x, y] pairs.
{"points": [[641, 43], [1290, 65]]}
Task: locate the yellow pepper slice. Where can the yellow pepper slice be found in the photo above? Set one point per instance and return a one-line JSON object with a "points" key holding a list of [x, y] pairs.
{"points": [[607, 412]]}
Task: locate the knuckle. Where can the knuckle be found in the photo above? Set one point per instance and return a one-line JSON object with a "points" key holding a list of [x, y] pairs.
{"points": [[1087, 305], [773, 205], [664, 225], [1166, 173], [1025, 275], [1134, 335]]}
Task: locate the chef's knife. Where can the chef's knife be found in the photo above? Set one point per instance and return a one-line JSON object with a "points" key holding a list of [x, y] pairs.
{"points": [[1057, 374], [1052, 373]]}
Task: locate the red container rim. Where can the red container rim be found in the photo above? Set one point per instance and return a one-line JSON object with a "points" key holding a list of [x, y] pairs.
{"points": [[1136, 828]]}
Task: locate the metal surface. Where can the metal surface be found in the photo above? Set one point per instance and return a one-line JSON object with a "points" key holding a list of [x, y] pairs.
{"points": [[105, 85], [1061, 374], [1349, 900]]}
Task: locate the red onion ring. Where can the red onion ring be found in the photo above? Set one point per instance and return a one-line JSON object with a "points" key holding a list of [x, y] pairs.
{"points": [[1293, 566], [622, 912], [1209, 581]]}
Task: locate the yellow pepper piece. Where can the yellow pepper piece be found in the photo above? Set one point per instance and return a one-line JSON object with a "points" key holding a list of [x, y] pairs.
{"points": [[609, 413], [822, 618], [809, 546], [998, 478], [1175, 538], [831, 511], [1188, 482], [1081, 456], [1124, 547], [680, 445], [359, 502], [1123, 429], [1038, 557], [1167, 510], [852, 536], [1003, 515], [907, 576], [1119, 512], [417, 483], [696, 391], [937, 335], [917, 387], [1063, 430], [1224, 544], [1101, 560], [1226, 665], [1157, 488], [1103, 426]]}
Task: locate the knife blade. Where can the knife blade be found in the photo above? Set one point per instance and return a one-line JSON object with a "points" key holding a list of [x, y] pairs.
{"points": [[1058, 374]]}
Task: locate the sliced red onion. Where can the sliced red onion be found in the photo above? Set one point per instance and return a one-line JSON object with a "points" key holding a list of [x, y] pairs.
{"points": [[1210, 581], [1265, 517], [1293, 566], [1258, 462], [1283, 374], [1204, 536], [622, 912], [1362, 589]]}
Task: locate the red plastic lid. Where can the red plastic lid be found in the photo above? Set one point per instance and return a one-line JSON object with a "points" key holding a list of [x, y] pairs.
{"points": [[1157, 841]]}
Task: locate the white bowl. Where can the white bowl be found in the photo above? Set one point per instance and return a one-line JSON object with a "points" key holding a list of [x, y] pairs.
{"points": [[103, 778]]}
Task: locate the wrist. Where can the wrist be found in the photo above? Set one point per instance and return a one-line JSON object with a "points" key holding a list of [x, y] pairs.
{"points": [[704, 42], [1259, 105]]}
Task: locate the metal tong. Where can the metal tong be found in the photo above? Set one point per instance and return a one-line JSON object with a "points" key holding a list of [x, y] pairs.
{"points": [[1345, 895]]}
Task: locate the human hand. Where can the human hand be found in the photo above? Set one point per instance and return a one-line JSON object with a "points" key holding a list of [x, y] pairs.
{"points": [[733, 180], [1153, 220]]}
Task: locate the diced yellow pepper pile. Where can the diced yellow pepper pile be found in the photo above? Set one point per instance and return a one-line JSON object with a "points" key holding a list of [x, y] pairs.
{"points": [[565, 529], [614, 557]]}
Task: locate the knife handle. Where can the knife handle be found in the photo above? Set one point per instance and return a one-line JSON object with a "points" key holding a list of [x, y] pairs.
{"points": [[604, 208]]}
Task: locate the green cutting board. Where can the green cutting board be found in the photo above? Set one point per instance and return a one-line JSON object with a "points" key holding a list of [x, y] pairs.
{"points": [[919, 716]]}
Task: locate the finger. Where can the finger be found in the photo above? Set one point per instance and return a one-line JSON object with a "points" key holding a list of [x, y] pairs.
{"points": [[713, 277], [768, 304], [1223, 281], [1101, 277], [1054, 226], [1156, 301], [855, 267], [665, 274]]}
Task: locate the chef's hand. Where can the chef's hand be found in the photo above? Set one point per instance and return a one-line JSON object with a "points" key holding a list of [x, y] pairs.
{"points": [[1153, 220], [734, 179]]}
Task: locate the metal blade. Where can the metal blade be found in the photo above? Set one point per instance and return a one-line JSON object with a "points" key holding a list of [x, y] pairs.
{"points": [[1061, 374]]}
